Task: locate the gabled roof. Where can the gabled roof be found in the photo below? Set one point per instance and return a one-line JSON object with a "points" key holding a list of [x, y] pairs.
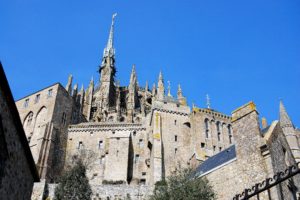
{"points": [[216, 161]]}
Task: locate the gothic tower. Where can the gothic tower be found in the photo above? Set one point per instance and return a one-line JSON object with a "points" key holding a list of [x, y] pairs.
{"points": [[107, 73]]}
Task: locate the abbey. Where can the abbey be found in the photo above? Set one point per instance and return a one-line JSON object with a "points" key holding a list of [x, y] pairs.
{"points": [[135, 136]]}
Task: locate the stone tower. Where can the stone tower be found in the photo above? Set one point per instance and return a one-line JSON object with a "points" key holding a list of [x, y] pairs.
{"points": [[107, 73]]}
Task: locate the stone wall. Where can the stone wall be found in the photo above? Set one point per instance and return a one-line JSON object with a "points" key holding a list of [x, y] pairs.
{"points": [[113, 192], [17, 169]]}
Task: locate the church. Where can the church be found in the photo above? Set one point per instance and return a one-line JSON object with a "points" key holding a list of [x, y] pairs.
{"points": [[133, 136]]}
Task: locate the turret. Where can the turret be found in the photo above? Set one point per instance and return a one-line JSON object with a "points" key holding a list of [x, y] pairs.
{"points": [[289, 132], [180, 97], [69, 84]]}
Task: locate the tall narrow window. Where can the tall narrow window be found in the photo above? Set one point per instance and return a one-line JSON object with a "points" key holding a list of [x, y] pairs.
{"points": [[137, 158], [175, 151], [218, 126], [64, 118], [29, 120], [175, 122], [230, 139], [100, 145], [229, 134], [175, 138], [219, 136], [50, 91], [80, 145], [37, 98], [26, 102], [206, 128]]}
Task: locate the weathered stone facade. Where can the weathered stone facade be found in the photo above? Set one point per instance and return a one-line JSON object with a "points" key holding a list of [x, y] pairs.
{"points": [[17, 169], [136, 136]]}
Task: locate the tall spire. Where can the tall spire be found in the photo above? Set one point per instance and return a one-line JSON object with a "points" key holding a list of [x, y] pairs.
{"points": [[109, 49]]}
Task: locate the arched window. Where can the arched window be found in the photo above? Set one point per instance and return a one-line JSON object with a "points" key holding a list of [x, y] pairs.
{"points": [[28, 119], [206, 121]]}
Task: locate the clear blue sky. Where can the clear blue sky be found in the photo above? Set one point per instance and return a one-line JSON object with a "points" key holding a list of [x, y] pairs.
{"points": [[235, 51]]}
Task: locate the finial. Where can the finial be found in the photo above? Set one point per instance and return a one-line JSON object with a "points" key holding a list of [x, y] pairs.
{"points": [[160, 76], [169, 89], [82, 88], [208, 101]]}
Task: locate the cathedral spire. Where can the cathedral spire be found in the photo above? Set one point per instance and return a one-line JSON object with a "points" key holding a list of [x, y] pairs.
{"points": [[109, 50]]}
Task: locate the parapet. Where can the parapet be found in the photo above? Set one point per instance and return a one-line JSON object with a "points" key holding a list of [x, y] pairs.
{"points": [[243, 111]]}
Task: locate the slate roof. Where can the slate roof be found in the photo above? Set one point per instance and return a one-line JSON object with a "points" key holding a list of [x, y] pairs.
{"points": [[216, 161]]}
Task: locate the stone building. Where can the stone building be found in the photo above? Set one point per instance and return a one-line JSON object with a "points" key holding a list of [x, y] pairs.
{"points": [[258, 153], [17, 169], [136, 136]]}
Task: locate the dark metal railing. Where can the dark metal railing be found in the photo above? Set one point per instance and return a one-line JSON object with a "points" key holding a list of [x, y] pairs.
{"points": [[275, 181]]}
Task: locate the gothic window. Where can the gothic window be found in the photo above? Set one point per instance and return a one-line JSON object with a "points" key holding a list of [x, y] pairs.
{"points": [[206, 121], [220, 148], [175, 122], [214, 148], [50, 91], [37, 98], [29, 119], [26, 102], [175, 138], [219, 136]]}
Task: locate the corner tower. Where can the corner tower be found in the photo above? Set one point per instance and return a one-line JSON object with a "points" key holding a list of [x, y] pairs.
{"points": [[107, 72]]}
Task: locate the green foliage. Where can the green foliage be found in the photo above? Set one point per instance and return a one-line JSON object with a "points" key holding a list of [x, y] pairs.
{"points": [[74, 184], [181, 186]]}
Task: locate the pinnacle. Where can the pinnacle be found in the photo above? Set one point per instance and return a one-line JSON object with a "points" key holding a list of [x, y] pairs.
{"points": [[284, 117]]}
